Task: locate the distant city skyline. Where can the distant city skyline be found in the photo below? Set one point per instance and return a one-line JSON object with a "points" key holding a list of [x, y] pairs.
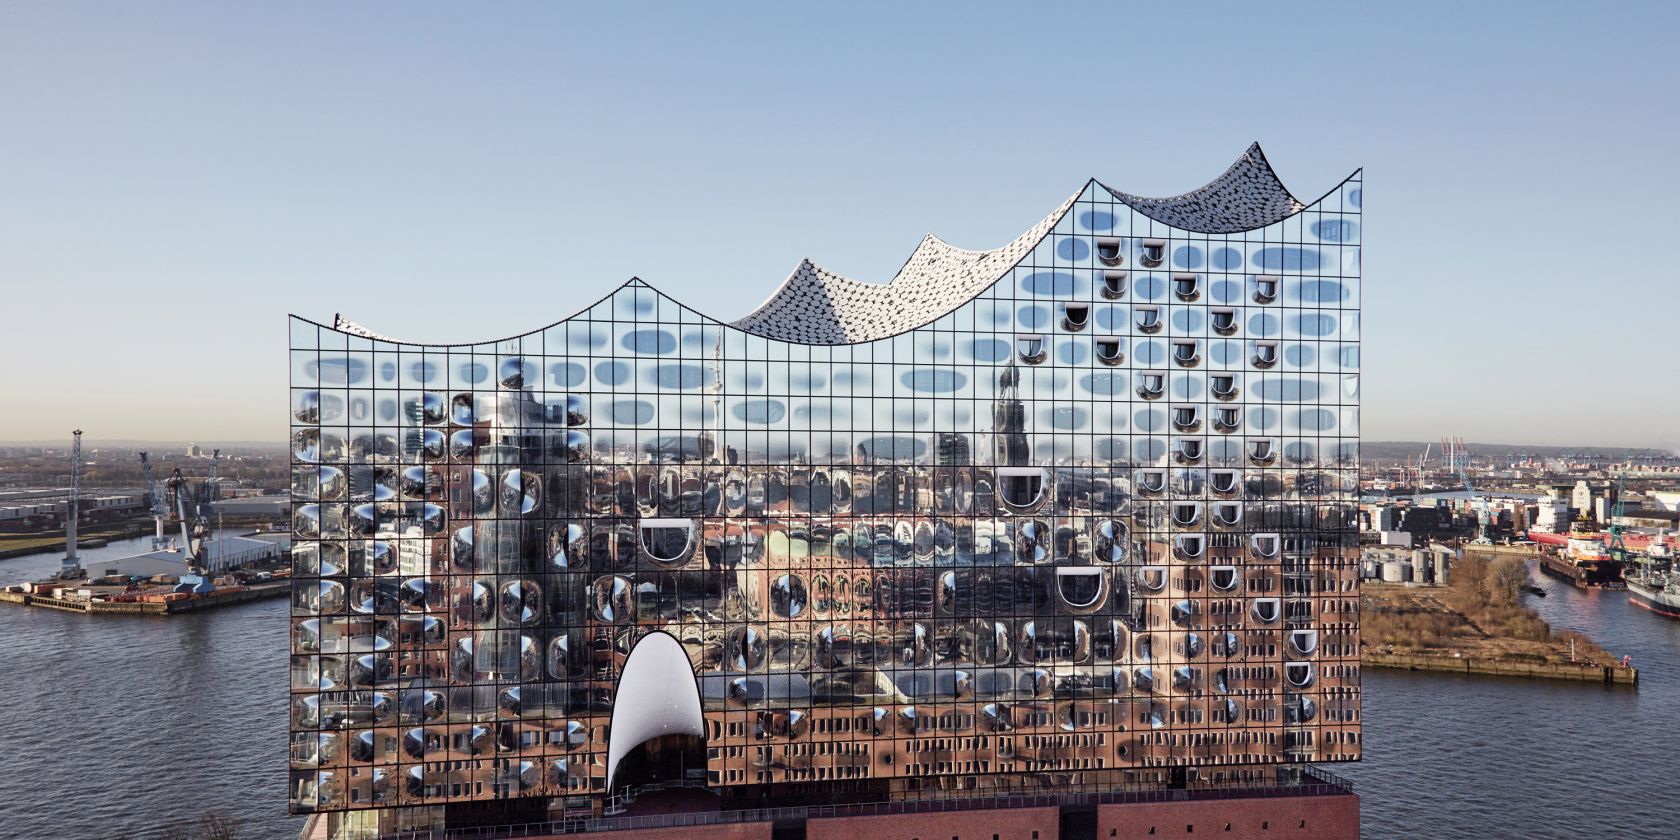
{"points": [[182, 176], [1478, 449]]}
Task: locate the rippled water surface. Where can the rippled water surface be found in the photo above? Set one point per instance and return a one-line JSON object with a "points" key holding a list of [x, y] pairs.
{"points": [[1488, 757], [122, 724], [114, 724]]}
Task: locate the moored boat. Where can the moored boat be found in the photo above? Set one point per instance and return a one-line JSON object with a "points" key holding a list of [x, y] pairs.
{"points": [[1659, 593]]}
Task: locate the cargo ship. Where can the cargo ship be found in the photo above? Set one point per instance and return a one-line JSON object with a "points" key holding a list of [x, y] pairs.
{"points": [[1579, 557], [1653, 583], [1657, 592]]}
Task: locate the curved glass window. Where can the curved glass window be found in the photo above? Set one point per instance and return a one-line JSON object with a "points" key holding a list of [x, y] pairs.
{"points": [[1114, 285], [1151, 384], [1224, 578], [1152, 252], [1187, 287], [1108, 250], [1075, 316], [1033, 349], [1110, 350], [667, 542]]}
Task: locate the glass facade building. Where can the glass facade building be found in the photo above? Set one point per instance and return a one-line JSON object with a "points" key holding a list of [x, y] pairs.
{"points": [[1075, 511]]}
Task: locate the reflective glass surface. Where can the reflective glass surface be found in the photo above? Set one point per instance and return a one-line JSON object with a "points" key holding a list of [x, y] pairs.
{"points": [[1098, 517]]}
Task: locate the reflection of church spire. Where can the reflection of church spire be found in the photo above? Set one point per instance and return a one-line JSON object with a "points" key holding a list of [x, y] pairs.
{"points": [[711, 438], [1009, 420]]}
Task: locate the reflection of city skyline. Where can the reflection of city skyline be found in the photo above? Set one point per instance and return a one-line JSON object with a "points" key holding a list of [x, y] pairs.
{"points": [[1091, 515]]}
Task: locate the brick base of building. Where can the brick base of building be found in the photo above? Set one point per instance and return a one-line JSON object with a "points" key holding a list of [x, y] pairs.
{"points": [[1002, 823], [1263, 818], [727, 831], [1321, 817]]}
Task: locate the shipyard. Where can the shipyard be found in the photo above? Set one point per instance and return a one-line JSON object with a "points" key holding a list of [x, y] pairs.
{"points": [[1594, 519], [194, 560]]}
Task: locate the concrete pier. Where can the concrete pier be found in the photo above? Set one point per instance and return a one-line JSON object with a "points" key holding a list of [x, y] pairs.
{"points": [[1611, 674]]}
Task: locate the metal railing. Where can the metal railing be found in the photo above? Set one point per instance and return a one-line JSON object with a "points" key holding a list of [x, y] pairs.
{"points": [[1313, 781], [616, 803]]}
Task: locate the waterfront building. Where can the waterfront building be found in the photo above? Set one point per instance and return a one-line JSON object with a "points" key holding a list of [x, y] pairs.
{"points": [[1581, 499], [1552, 514], [1074, 518]]}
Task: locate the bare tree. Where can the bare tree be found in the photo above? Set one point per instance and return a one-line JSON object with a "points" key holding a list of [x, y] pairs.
{"points": [[217, 825], [1469, 581], [1505, 578]]}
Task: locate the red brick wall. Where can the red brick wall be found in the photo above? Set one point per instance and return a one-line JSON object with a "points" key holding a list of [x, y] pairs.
{"points": [[1002, 823], [1276, 818], [728, 831]]}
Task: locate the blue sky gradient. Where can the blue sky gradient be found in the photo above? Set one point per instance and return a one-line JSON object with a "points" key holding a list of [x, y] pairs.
{"points": [[175, 178]]}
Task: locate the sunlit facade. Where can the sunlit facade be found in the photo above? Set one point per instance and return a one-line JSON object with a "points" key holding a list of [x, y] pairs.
{"points": [[1077, 511]]}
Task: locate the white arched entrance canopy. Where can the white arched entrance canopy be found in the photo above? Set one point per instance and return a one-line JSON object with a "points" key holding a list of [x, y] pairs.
{"points": [[657, 695]]}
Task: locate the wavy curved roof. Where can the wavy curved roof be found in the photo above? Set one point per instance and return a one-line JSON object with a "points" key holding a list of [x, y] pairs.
{"points": [[345, 325], [1249, 195], [817, 306]]}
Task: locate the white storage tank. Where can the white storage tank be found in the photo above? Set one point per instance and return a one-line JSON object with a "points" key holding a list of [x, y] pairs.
{"points": [[1397, 571]]}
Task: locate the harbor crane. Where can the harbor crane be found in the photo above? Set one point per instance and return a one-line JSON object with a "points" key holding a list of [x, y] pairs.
{"points": [[1617, 548], [160, 509], [72, 563], [193, 533], [208, 495]]}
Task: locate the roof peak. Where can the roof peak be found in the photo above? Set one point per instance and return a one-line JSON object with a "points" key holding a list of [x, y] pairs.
{"points": [[1247, 195], [814, 305]]}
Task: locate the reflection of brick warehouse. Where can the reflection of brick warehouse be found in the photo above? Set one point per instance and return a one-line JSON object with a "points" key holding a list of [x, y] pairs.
{"points": [[1071, 519]]}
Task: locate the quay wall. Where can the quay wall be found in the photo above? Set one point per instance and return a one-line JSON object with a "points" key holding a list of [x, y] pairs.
{"points": [[253, 593], [1614, 674], [1516, 550]]}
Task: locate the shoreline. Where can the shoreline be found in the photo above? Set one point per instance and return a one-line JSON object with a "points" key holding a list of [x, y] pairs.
{"points": [[1566, 671], [1480, 625], [94, 536], [228, 598]]}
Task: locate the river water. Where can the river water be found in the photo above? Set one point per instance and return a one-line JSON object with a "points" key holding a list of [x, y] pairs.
{"points": [[118, 726], [1490, 757], [125, 724]]}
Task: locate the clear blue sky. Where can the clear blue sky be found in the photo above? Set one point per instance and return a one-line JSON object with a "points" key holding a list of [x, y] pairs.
{"points": [[176, 178]]}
